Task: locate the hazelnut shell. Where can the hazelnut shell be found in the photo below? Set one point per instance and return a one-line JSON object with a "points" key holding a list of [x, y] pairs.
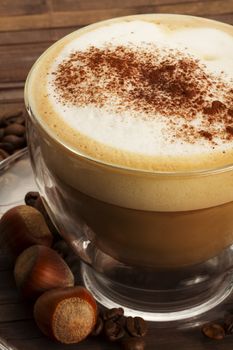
{"points": [[23, 226], [67, 315], [38, 269]]}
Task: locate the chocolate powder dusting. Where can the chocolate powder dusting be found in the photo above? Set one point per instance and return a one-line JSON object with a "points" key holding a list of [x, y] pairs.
{"points": [[158, 83]]}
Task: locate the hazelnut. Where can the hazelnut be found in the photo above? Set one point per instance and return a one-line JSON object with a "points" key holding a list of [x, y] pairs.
{"points": [[67, 315], [39, 268], [23, 226]]}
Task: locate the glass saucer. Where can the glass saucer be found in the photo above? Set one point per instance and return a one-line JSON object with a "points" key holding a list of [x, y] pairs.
{"points": [[16, 179]]}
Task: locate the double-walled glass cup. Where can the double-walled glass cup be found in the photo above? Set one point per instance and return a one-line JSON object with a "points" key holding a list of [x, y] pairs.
{"points": [[166, 263]]}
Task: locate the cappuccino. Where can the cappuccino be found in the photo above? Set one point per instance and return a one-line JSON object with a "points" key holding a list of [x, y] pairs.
{"points": [[136, 123]]}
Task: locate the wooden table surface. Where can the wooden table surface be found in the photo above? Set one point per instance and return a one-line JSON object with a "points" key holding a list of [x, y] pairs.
{"points": [[27, 28]]}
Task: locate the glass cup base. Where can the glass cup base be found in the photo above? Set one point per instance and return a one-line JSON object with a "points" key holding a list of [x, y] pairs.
{"points": [[140, 302]]}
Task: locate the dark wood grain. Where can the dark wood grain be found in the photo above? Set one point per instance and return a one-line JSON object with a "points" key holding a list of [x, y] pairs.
{"points": [[27, 28]]}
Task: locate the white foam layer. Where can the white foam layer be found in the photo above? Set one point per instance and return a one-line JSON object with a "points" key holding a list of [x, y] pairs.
{"points": [[145, 136]]}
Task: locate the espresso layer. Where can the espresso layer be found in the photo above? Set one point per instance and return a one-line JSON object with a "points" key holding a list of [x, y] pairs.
{"points": [[149, 92], [145, 238]]}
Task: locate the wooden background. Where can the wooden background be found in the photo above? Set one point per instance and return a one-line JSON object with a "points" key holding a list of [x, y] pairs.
{"points": [[27, 28]]}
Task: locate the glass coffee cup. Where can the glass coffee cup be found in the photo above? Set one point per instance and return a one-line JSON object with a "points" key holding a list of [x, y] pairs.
{"points": [[156, 242]]}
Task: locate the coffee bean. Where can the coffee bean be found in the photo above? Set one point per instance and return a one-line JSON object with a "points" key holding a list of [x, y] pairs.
{"points": [[98, 327], [228, 324], [7, 146], [213, 331], [1, 133], [30, 198], [122, 321], [133, 343], [19, 120], [113, 330], [15, 129], [16, 141], [12, 117], [3, 154], [136, 326], [113, 314]]}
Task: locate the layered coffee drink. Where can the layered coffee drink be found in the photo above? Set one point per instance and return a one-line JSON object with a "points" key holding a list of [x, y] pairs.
{"points": [[135, 117]]}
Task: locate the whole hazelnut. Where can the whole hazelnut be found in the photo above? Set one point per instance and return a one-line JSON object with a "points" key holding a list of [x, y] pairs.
{"points": [[38, 269], [67, 315], [23, 226]]}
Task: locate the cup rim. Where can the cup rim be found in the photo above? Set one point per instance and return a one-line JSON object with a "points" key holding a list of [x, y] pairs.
{"points": [[119, 167]]}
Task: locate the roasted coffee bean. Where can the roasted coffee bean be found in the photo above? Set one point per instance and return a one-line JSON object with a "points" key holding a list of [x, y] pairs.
{"points": [[3, 154], [98, 327], [113, 330], [16, 141], [213, 331], [113, 314], [7, 146], [1, 133], [12, 117], [19, 120], [30, 198], [122, 321], [130, 343], [136, 326], [228, 324], [15, 129]]}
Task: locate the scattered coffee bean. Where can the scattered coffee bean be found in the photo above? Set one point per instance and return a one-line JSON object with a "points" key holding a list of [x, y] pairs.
{"points": [[136, 326], [12, 117], [98, 327], [12, 132], [133, 343], [6, 146], [213, 331], [113, 330], [16, 141], [228, 324], [15, 129], [3, 154], [113, 314], [30, 198], [1, 133]]}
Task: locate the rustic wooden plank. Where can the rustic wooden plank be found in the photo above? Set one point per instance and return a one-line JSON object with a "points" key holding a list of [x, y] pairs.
{"points": [[73, 5], [23, 329], [9, 295], [25, 7], [25, 335], [43, 343], [16, 312], [21, 57], [6, 261], [11, 95], [195, 8], [73, 18], [25, 22], [226, 18], [7, 279], [33, 36]]}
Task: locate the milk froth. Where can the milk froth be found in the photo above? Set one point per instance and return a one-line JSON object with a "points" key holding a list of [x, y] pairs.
{"points": [[135, 133]]}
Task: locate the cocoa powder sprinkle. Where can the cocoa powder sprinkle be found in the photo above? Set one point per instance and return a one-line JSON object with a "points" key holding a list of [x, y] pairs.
{"points": [[155, 82]]}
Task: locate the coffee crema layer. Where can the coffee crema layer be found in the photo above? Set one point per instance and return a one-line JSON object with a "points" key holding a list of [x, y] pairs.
{"points": [[151, 92]]}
